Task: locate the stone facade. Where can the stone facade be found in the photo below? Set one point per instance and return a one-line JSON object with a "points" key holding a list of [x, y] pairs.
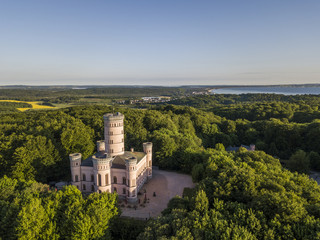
{"points": [[112, 169]]}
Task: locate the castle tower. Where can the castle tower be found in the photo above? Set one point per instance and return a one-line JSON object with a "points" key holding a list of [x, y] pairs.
{"points": [[75, 162], [101, 146], [131, 166], [102, 173], [114, 134], [147, 148]]}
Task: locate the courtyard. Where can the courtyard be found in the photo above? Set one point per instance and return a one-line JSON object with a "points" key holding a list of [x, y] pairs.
{"points": [[165, 185]]}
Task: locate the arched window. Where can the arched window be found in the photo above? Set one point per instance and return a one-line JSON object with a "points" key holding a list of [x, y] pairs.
{"points": [[107, 179], [115, 189], [92, 178], [84, 177], [99, 179], [114, 179], [76, 178], [84, 187], [124, 180]]}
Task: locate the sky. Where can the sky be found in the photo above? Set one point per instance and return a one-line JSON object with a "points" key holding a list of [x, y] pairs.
{"points": [[159, 42]]}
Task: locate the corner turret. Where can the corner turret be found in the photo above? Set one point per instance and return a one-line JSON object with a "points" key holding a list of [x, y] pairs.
{"points": [[131, 167], [75, 163], [102, 173], [147, 148]]}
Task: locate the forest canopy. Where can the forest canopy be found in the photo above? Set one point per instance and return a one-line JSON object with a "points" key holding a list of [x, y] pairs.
{"points": [[239, 195]]}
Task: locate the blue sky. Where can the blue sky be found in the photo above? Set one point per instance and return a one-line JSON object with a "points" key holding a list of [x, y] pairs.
{"points": [[167, 42]]}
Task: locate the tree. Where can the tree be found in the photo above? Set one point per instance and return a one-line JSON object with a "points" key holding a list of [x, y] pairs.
{"points": [[314, 159], [299, 162]]}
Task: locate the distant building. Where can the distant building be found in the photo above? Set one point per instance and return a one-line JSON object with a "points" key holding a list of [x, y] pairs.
{"points": [[112, 169], [252, 147]]}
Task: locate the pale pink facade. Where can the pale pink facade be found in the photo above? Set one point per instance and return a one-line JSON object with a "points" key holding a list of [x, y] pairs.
{"points": [[112, 168]]}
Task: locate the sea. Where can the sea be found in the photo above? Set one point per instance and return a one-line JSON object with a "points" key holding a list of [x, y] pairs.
{"points": [[286, 90]]}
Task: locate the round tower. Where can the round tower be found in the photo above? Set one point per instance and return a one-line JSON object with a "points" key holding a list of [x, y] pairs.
{"points": [[101, 146], [102, 173], [114, 133], [147, 148], [75, 163], [131, 166]]}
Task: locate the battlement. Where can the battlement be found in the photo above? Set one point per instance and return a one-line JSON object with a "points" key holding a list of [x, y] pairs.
{"points": [[147, 144], [75, 156], [113, 116], [102, 159], [131, 160]]}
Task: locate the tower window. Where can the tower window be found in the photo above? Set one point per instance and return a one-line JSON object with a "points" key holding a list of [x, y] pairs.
{"points": [[76, 178], [107, 179], [99, 179]]}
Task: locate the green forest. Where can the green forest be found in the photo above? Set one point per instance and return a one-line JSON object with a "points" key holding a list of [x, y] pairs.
{"points": [[264, 194]]}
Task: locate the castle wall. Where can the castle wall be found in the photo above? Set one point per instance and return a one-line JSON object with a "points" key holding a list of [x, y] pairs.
{"points": [[87, 175], [122, 181]]}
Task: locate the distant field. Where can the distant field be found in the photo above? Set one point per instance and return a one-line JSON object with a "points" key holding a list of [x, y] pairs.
{"points": [[35, 105]]}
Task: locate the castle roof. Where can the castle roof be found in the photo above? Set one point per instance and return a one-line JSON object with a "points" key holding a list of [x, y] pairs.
{"points": [[118, 161]]}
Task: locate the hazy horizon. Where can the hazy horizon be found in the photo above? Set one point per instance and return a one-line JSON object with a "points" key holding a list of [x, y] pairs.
{"points": [[159, 43]]}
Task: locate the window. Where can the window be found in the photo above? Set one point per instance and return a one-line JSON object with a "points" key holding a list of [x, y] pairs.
{"points": [[111, 150], [77, 164], [124, 190], [84, 187], [92, 178], [99, 179], [115, 189], [107, 179], [114, 179], [92, 188], [99, 191], [124, 180], [84, 177], [76, 178], [128, 193]]}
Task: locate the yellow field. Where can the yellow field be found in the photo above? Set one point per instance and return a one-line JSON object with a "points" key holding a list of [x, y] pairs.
{"points": [[35, 105]]}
